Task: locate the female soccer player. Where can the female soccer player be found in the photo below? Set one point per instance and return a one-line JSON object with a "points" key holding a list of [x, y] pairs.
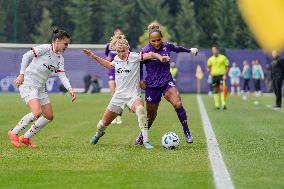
{"points": [[110, 54], [46, 60], [159, 80], [257, 75], [234, 74], [127, 92]]}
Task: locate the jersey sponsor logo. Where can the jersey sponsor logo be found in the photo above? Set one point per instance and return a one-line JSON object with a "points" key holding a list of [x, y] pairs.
{"points": [[149, 99], [50, 67], [121, 70]]}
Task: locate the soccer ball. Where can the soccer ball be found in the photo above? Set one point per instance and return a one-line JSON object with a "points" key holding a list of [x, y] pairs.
{"points": [[170, 140]]}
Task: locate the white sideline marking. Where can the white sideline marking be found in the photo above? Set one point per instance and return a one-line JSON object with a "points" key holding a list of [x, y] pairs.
{"points": [[221, 175]]}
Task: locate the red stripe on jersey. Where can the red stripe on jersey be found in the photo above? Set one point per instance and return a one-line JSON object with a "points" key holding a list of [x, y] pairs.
{"points": [[34, 52], [56, 71]]}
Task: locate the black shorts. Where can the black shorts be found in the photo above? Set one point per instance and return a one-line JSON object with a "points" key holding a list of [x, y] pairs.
{"points": [[217, 80]]}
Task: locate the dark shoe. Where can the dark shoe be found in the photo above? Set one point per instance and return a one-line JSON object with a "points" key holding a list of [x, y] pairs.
{"points": [[139, 139]]}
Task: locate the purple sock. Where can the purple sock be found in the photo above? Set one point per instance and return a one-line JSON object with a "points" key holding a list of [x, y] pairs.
{"points": [[181, 113]]}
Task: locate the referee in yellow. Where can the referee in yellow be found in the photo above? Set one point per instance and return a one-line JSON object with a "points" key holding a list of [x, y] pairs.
{"points": [[218, 68]]}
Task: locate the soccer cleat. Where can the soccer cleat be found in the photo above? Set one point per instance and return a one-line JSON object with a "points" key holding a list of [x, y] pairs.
{"points": [[95, 139], [27, 142], [224, 107], [147, 145], [14, 139], [139, 139], [118, 120], [217, 107], [276, 107], [188, 138]]}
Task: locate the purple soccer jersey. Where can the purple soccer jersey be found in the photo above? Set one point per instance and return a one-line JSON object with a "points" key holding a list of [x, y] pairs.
{"points": [[159, 79], [158, 73], [112, 54]]}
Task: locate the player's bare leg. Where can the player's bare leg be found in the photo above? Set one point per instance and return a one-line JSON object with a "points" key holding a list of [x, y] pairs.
{"points": [[107, 118], [173, 97]]}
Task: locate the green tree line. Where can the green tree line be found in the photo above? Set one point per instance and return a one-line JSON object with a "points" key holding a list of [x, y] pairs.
{"points": [[198, 23]]}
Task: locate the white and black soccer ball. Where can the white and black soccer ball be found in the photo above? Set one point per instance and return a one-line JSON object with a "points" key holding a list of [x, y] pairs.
{"points": [[170, 140]]}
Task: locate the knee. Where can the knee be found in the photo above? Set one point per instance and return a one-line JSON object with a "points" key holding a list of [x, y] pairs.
{"points": [[49, 117], [105, 122], [177, 104], [37, 113]]}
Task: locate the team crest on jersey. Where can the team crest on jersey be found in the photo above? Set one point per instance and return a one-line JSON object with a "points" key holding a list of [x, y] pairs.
{"points": [[165, 48], [149, 99], [172, 84]]}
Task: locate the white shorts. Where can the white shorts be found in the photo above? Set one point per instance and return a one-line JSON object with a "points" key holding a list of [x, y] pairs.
{"points": [[235, 81], [29, 92], [117, 104]]}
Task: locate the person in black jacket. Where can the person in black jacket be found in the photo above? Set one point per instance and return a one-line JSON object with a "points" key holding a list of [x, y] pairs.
{"points": [[277, 76]]}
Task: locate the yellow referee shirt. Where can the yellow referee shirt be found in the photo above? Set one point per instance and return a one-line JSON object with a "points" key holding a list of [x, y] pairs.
{"points": [[218, 64]]}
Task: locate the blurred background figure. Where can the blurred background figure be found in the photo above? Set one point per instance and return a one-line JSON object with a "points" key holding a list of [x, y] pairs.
{"points": [[277, 77], [234, 74], [209, 82], [268, 78], [95, 86], [246, 73], [87, 82], [62, 89], [174, 71], [257, 75], [218, 67]]}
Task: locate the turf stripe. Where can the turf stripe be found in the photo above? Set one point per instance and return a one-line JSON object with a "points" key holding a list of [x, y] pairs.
{"points": [[222, 177]]}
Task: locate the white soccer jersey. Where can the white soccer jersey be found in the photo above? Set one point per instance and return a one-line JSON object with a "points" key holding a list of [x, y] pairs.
{"points": [[44, 63], [127, 75]]}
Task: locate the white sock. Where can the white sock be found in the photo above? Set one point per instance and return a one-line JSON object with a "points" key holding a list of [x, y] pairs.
{"points": [[143, 124], [24, 122], [100, 129], [232, 90], [239, 90], [36, 127]]}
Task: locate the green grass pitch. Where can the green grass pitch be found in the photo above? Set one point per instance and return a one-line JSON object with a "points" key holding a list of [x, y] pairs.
{"points": [[251, 140]]}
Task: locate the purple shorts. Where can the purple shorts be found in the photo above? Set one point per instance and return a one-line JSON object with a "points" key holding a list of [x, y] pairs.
{"points": [[153, 94], [111, 74]]}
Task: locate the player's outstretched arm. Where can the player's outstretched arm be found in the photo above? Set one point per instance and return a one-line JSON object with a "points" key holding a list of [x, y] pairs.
{"points": [[100, 60], [146, 56], [177, 49]]}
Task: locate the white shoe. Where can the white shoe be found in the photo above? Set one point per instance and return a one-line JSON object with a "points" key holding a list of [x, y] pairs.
{"points": [[118, 120]]}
